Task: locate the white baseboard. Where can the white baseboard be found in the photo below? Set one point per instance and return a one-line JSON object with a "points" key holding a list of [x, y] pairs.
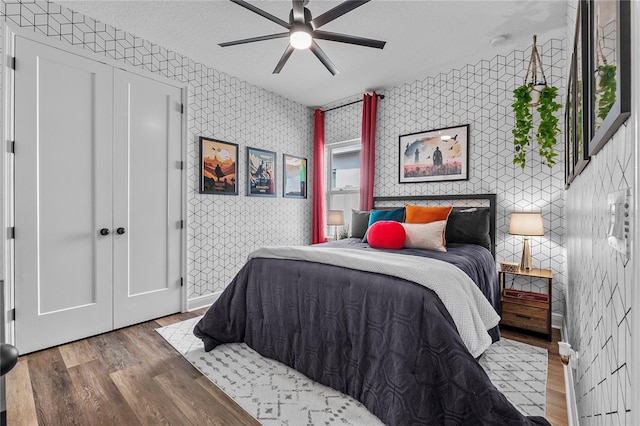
{"points": [[202, 301], [557, 321], [569, 388]]}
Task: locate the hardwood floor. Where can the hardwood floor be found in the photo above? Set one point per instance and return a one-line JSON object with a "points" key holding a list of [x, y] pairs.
{"points": [[132, 376]]}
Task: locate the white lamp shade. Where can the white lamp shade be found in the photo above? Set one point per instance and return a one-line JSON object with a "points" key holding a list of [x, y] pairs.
{"points": [[335, 217], [526, 223]]}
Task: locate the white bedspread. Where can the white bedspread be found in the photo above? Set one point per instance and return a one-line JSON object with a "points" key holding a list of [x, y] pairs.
{"points": [[470, 310]]}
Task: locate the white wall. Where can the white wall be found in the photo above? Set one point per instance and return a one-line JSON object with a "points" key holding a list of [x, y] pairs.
{"points": [[222, 230], [480, 95], [601, 281]]}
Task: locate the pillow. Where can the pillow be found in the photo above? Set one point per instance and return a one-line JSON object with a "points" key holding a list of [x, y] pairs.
{"points": [[386, 234], [425, 235], [396, 215], [469, 226], [419, 214], [359, 223]]}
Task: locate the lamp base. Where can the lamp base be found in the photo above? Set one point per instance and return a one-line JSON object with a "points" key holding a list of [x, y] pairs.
{"points": [[525, 262]]}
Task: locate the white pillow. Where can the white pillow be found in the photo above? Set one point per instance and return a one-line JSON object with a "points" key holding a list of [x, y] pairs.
{"points": [[426, 235]]}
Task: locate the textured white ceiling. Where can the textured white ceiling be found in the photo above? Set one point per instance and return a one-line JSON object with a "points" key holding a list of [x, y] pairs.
{"points": [[423, 38]]}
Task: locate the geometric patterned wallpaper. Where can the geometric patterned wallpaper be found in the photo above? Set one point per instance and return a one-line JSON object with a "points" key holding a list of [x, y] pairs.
{"points": [[480, 95], [221, 229], [600, 280]]}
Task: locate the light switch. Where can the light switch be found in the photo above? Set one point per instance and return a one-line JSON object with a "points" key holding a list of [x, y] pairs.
{"points": [[618, 234]]}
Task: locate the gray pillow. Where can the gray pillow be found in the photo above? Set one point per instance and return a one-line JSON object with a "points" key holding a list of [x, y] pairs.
{"points": [[469, 226], [359, 223]]}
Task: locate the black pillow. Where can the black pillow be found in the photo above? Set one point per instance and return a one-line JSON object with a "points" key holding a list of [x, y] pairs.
{"points": [[359, 223], [469, 226]]}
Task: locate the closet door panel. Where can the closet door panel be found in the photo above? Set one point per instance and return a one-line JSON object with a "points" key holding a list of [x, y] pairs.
{"points": [[147, 199], [63, 193]]}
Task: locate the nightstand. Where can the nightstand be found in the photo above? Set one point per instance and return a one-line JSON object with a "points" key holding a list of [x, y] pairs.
{"points": [[527, 310]]}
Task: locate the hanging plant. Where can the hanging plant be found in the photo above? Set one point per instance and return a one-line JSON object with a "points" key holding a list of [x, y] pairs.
{"points": [[534, 93], [524, 123], [548, 128]]}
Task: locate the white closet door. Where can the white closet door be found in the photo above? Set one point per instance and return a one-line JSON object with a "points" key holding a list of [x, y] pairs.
{"points": [[63, 196], [147, 199]]}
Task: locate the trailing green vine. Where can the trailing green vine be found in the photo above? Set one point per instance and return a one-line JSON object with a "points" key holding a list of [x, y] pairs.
{"points": [[524, 123], [606, 90], [548, 128]]}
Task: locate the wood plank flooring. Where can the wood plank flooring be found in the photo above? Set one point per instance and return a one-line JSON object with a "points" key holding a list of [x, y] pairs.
{"points": [[132, 376]]}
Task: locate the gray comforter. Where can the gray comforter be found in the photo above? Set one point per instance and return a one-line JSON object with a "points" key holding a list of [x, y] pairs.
{"points": [[387, 342]]}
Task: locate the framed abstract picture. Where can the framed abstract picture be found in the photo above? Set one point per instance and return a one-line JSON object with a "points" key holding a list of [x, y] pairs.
{"points": [[218, 167], [261, 173], [294, 176], [609, 69], [435, 155]]}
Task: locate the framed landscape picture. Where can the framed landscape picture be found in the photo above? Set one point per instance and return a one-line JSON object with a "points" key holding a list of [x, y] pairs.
{"points": [[218, 167], [261, 173], [610, 69], [294, 176], [435, 155]]}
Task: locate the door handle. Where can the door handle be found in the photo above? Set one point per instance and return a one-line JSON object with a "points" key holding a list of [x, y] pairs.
{"points": [[105, 231], [121, 231]]}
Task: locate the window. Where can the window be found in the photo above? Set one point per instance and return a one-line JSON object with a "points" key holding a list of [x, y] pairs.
{"points": [[343, 192]]}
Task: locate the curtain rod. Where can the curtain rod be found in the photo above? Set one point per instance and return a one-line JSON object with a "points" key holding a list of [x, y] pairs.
{"points": [[351, 103]]}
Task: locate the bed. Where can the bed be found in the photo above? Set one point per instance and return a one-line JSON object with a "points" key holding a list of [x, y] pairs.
{"points": [[400, 331]]}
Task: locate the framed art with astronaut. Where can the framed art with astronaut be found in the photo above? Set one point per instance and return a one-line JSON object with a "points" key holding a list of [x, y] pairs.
{"points": [[435, 155]]}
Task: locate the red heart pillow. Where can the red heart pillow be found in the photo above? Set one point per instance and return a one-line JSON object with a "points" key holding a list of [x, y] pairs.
{"points": [[386, 234]]}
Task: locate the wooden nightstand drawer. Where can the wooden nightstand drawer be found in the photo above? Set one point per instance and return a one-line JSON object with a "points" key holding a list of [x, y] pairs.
{"points": [[524, 316]]}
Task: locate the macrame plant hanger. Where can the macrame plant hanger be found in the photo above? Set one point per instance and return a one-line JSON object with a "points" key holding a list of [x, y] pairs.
{"points": [[535, 64]]}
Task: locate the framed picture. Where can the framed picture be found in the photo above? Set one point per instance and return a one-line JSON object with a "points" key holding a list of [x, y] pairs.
{"points": [[609, 69], [294, 176], [581, 76], [570, 125], [435, 156], [261, 173], [218, 167]]}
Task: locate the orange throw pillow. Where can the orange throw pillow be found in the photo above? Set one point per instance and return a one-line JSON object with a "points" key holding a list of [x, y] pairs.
{"points": [[419, 214]]}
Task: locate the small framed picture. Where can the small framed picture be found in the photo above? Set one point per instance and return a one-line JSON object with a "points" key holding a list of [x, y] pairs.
{"points": [[261, 173], [218, 167], [435, 155], [609, 68], [294, 176]]}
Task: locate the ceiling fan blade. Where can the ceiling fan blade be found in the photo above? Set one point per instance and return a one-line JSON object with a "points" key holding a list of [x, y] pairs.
{"points": [[336, 12], [323, 58], [298, 11], [253, 39], [262, 13], [345, 38], [283, 60]]}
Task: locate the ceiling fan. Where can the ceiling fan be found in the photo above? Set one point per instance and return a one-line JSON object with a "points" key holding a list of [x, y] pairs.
{"points": [[303, 31]]}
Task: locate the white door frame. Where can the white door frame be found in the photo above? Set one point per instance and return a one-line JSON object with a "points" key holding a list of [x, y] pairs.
{"points": [[6, 159]]}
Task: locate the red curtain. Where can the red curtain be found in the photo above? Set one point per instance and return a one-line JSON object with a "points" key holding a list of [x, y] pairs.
{"points": [[317, 216], [368, 152]]}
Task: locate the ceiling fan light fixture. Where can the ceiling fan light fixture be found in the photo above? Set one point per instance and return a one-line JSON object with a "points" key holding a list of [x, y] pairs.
{"points": [[300, 38]]}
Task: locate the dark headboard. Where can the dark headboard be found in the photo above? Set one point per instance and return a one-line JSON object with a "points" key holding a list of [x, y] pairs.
{"points": [[490, 197]]}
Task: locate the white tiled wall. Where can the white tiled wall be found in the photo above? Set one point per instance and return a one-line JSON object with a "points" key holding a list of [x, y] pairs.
{"points": [[480, 95], [222, 230]]}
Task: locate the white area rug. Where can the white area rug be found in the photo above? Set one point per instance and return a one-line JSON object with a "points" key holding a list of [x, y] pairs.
{"points": [[278, 395]]}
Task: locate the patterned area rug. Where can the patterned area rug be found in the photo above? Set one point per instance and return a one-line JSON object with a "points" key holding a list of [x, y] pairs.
{"points": [[278, 395]]}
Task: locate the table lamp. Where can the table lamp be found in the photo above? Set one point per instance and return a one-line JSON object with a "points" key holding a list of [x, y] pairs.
{"points": [[528, 225], [335, 218]]}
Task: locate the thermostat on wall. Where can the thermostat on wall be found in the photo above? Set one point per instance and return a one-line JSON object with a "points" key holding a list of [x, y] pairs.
{"points": [[618, 234]]}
